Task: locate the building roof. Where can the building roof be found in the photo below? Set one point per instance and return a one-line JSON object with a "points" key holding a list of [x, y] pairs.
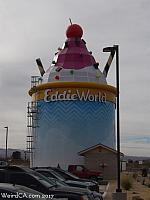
{"points": [[81, 153]]}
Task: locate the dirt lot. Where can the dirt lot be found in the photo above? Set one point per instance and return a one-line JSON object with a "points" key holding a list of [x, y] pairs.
{"points": [[137, 190]]}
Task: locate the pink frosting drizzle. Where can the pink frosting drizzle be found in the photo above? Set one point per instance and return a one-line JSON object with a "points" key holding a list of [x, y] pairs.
{"points": [[75, 55]]}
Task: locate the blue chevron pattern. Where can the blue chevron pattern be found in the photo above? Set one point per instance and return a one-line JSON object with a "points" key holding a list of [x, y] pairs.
{"points": [[67, 127], [93, 119]]}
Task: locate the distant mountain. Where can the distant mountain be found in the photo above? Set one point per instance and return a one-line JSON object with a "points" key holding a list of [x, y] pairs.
{"points": [[10, 151], [135, 158], [23, 152]]}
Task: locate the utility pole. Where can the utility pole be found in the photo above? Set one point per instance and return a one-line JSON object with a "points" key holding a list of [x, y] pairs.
{"points": [[6, 156]]}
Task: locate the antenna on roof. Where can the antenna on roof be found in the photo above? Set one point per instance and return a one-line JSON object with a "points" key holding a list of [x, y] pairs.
{"points": [[70, 21]]}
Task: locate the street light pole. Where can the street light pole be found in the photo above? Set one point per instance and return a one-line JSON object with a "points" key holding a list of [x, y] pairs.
{"points": [[6, 141], [115, 49], [118, 115]]}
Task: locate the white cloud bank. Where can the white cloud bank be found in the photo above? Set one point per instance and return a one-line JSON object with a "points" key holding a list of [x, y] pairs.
{"points": [[36, 28]]}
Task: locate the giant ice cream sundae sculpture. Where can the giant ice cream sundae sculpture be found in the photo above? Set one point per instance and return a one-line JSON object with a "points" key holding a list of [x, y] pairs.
{"points": [[76, 106]]}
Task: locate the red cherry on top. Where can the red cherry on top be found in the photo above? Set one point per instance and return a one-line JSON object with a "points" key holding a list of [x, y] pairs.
{"points": [[74, 31]]}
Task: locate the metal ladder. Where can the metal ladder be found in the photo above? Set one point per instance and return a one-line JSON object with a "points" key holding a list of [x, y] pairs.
{"points": [[32, 122]]}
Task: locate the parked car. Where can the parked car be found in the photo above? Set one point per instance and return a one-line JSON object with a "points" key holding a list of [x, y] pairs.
{"points": [[36, 181], [3, 163], [10, 191], [69, 176], [82, 172], [73, 183]]}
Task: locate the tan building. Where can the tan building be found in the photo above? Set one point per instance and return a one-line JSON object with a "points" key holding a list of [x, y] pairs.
{"points": [[102, 158]]}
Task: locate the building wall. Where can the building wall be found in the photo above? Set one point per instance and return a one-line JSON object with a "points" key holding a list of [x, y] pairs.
{"points": [[93, 160], [67, 127]]}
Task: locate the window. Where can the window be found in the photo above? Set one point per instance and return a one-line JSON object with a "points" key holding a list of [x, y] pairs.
{"points": [[23, 179], [47, 174], [79, 168], [2, 177]]}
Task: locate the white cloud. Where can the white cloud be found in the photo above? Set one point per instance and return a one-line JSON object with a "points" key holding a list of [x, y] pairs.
{"points": [[31, 29]]}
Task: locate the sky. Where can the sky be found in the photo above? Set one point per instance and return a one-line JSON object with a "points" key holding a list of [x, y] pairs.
{"points": [[30, 29]]}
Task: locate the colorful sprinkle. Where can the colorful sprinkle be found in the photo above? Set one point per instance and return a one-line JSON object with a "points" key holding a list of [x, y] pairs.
{"points": [[53, 62], [57, 77], [98, 75], [72, 72]]}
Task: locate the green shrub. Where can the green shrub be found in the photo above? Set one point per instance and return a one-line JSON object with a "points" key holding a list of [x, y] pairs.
{"points": [[126, 182], [149, 185], [135, 175]]}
